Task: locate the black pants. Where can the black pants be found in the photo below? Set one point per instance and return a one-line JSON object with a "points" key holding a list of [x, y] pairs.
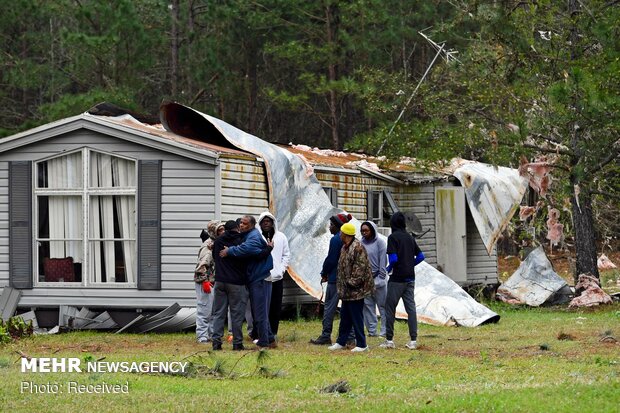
{"points": [[275, 307]]}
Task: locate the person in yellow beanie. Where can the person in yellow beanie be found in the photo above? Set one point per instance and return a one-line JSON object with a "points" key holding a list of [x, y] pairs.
{"points": [[354, 283]]}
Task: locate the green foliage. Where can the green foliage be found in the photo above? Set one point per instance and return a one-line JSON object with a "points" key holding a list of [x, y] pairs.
{"points": [[14, 329]]}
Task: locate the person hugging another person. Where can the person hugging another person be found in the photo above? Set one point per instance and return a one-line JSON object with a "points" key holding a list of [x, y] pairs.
{"points": [[355, 282], [204, 277], [253, 248]]}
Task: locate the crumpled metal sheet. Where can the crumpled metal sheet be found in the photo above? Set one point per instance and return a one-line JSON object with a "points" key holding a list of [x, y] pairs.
{"points": [[441, 301], [296, 199], [303, 210], [534, 283], [493, 194]]}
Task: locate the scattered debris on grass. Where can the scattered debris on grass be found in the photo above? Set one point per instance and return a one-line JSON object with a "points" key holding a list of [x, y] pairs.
{"points": [[339, 387], [565, 336]]}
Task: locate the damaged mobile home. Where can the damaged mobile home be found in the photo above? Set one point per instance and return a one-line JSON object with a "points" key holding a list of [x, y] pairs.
{"points": [[104, 212]]}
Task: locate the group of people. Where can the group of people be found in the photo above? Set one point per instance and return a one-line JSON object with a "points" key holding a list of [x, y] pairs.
{"points": [[238, 263]]}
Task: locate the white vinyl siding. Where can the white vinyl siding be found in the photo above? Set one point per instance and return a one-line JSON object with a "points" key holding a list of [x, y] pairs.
{"points": [[188, 202]]}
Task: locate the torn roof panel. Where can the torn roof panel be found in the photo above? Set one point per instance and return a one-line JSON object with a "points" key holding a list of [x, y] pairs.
{"points": [[159, 131], [493, 194], [441, 301]]}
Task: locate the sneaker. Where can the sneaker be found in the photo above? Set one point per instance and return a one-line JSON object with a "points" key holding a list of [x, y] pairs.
{"points": [[412, 345], [320, 341], [255, 341], [359, 349], [387, 344], [335, 346], [217, 346]]}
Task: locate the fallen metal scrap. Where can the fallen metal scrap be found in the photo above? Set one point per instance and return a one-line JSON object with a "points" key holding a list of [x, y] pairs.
{"points": [[169, 320], [535, 283], [441, 301]]}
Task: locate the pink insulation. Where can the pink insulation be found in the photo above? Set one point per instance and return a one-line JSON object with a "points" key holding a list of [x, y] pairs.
{"points": [[555, 230], [591, 293], [604, 263]]}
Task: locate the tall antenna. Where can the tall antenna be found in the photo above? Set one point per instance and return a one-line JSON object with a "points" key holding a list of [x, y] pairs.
{"points": [[449, 55]]}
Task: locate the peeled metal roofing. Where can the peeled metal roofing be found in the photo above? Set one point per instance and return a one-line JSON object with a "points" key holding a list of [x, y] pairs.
{"points": [[295, 198], [493, 194], [441, 301], [299, 203], [159, 131]]}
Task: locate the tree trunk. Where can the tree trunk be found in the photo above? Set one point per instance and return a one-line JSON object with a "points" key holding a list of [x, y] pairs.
{"points": [[581, 200], [174, 49], [585, 240], [252, 79], [332, 18]]}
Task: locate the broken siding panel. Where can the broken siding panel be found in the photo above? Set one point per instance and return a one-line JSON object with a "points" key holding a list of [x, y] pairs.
{"points": [[481, 267], [244, 188], [4, 224]]}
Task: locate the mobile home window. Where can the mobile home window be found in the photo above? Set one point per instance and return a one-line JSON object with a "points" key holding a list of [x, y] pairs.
{"points": [[332, 194], [381, 205], [375, 207], [85, 219]]}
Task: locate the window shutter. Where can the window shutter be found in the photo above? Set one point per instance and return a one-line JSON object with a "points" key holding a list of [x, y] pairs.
{"points": [[20, 224], [369, 204], [149, 225]]}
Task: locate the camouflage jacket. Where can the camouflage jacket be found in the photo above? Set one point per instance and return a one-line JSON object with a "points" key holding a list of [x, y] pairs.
{"points": [[354, 280]]}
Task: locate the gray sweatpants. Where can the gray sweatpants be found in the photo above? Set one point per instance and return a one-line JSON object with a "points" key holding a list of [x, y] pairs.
{"points": [[235, 296], [396, 291], [377, 299]]}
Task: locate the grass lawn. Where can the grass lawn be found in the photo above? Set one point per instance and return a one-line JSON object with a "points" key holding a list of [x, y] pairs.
{"points": [[517, 365]]}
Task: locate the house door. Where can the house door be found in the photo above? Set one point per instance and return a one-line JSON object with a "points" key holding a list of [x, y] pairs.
{"points": [[451, 232]]}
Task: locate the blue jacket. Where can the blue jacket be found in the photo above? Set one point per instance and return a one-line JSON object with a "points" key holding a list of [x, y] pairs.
{"points": [[330, 265], [253, 245]]}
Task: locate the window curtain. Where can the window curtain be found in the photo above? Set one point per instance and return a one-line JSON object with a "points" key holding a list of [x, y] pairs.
{"points": [[123, 175], [65, 212], [111, 172]]}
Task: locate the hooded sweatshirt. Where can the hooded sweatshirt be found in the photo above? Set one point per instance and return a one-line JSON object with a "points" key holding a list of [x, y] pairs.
{"points": [[376, 249], [205, 267], [280, 253], [403, 250]]}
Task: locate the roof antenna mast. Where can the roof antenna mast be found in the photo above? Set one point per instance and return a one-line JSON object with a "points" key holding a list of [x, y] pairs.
{"points": [[448, 56]]}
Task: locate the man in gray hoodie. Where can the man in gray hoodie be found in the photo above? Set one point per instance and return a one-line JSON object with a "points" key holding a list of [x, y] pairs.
{"points": [[376, 249]]}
